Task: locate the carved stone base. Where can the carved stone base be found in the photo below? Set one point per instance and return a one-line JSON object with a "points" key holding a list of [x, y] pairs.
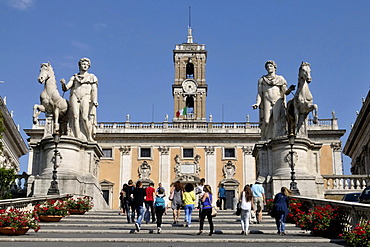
{"points": [[78, 168], [273, 159]]}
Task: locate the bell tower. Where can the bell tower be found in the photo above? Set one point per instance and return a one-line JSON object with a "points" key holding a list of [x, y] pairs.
{"points": [[189, 89]]}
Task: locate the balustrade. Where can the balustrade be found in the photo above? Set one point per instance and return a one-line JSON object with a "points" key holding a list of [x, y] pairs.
{"points": [[346, 182], [352, 212]]}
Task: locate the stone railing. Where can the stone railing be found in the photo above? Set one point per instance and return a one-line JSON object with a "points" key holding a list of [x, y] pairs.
{"points": [[176, 125], [353, 213], [346, 182], [20, 185], [330, 123], [254, 126], [28, 201]]}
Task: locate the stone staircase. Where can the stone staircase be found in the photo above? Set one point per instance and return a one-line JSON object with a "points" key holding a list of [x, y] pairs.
{"points": [[107, 226]]}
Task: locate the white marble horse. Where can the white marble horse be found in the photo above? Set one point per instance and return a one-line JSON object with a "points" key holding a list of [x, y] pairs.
{"points": [[51, 101], [302, 103]]}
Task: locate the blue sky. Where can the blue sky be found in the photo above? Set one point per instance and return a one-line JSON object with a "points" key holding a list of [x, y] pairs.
{"points": [[130, 45]]}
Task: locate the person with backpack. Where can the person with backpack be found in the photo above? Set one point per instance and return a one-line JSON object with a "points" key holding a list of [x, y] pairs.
{"points": [[160, 208], [189, 200]]}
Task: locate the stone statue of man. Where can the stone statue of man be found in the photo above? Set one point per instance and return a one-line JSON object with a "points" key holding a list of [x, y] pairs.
{"points": [[272, 90], [83, 101]]}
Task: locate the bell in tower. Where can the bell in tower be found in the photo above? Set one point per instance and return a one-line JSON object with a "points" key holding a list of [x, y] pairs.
{"points": [[189, 89]]}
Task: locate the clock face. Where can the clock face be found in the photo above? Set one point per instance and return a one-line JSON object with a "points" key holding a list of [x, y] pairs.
{"points": [[189, 86]]}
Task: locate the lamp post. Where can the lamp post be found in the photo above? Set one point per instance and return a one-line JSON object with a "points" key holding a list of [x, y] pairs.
{"points": [[54, 190], [293, 184]]}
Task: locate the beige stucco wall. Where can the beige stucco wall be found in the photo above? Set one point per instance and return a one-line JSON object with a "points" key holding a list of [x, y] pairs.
{"points": [[326, 160], [110, 171]]}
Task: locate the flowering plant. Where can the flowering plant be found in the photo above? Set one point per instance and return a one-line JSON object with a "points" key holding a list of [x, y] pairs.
{"points": [[17, 219], [321, 220], [358, 236], [80, 203], [296, 211], [52, 207]]}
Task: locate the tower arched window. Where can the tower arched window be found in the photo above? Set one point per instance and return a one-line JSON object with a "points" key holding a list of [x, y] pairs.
{"points": [[189, 70], [190, 102]]}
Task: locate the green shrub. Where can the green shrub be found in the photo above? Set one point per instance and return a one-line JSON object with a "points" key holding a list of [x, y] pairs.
{"points": [[7, 177]]}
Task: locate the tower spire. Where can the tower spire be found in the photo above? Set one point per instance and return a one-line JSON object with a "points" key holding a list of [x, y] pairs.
{"points": [[190, 35]]}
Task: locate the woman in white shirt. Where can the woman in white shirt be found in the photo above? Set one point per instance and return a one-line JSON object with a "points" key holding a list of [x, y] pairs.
{"points": [[246, 202]]}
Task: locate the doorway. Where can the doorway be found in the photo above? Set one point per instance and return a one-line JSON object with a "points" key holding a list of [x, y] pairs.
{"points": [[230, 195]]}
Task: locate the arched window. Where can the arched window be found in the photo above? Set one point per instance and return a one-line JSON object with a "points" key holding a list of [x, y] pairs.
{"points": [[189, 70], [189, 102]]}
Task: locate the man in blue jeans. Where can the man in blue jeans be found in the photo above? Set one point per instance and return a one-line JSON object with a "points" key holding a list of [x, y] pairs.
{"points": [[139, 197]]}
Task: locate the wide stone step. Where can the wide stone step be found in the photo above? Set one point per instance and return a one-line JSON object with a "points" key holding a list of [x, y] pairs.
{"points": [[108, 227], [147, 230]]}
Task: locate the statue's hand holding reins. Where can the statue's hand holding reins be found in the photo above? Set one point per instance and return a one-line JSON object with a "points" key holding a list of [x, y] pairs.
{"points": [[63, 82]]}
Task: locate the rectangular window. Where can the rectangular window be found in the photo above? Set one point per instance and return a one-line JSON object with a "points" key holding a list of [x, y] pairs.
{"points": [[107, 153], [229, 152], [188, 153], [145, 153]]}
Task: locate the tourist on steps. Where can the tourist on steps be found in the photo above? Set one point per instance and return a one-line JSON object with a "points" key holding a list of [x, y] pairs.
{"points": [[281, 204], [246, 202], [206, 201], [160, 208], [189, 200]]}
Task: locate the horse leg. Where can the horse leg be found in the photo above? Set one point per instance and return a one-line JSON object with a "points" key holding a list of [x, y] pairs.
{"points": [[56, 119], [63, 116], [315, 114], [290, 117], [37, 109]]}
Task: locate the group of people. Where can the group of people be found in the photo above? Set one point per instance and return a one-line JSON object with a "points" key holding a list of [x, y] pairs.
{"points": [[150, 203], [143, 202], [252, 199]]}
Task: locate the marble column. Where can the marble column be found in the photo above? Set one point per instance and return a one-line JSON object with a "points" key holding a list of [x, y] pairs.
{"points": [[210, 168], [126, 164], [164, 168], [337, 158], [249, 166]]}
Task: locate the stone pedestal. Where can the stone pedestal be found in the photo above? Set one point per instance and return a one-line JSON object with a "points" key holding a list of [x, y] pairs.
{"points": [[273, 162], [77, 172]]}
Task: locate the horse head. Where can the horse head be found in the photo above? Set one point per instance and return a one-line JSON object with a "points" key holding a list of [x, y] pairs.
{"points": [[305, 72], [45, 72]]}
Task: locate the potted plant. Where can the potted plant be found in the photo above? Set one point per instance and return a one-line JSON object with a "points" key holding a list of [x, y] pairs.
{"points": [[52, 210], [16, 222], [79, 205]]}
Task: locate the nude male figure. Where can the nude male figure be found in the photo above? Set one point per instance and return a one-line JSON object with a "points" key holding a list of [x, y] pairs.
{"points": [[270, 99], [83, 100]]}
